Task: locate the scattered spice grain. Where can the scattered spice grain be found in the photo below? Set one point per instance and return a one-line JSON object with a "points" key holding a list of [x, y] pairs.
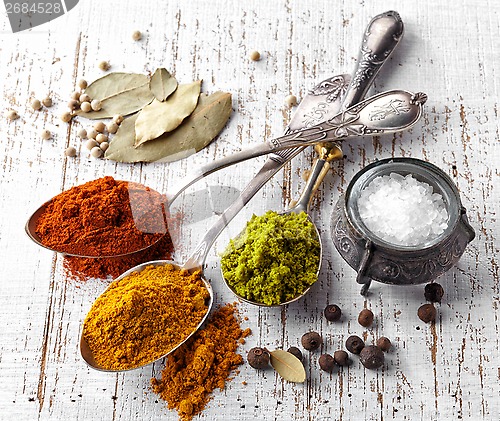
{"points": [[204, 363], [433, 292], [326, 362], [258, 358], [311, 341], [384, 343], [354, 344], [332, 312], [372, 357]]}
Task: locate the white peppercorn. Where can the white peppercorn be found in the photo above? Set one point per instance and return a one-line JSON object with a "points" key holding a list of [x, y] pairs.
{"points": [[290, 101], [91, 134], [104, 146], [96, 152], [254, 55], [45, 134], [36, 104], [82, 134], [90, 144], [104, 66], [84, 98], [112, 127], [47, 102], [73, 104], [66, 116], [70, 151], [136, 35], [12, 115], [99, 127], [101, 138], [82, 84], [86, 107], [96, 105], [118, 119]]}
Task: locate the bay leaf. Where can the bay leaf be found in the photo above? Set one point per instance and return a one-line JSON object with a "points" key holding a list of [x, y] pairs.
{"points": [[163, 117], [195, 133], [119, 93], [162, 84], [288, 366]]}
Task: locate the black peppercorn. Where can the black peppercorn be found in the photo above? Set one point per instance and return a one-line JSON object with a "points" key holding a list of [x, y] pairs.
{"points": [[365, 317], [332, 312], [295, 352], [433, 292], [258, 357], [341, 357], [311, 341], [326, 362], [354, 344], [427, 313], [372, 356], [384, 343]]}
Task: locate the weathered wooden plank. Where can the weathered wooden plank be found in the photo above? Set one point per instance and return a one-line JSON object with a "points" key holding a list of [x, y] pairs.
{"points": [[446, 371]]}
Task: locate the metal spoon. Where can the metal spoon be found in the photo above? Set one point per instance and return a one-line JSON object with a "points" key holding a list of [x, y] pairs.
{"points": [[302, 205]]}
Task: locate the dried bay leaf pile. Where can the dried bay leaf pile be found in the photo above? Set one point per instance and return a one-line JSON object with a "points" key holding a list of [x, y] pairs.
{"points": [[166, 121]]}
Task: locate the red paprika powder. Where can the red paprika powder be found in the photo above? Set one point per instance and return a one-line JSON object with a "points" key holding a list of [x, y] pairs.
{"points": [[102, 218]]}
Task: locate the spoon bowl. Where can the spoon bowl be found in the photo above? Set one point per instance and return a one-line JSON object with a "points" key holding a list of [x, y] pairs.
{"points": [[332, 153]]}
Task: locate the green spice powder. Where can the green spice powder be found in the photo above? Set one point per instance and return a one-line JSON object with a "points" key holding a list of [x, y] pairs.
{"points": [[274, 260]]}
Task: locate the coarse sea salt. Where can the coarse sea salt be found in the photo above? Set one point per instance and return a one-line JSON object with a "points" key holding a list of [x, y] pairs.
{"points": [[402, 210]]}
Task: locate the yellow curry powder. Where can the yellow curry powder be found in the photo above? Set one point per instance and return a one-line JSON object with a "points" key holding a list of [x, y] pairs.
{"points": [[202, 364], [145, 315]]}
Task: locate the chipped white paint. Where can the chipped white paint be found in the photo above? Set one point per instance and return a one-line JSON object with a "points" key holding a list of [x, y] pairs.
{"points": [[450, 51]]}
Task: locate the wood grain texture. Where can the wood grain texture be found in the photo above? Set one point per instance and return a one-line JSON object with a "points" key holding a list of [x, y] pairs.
{"points": [[447, 371]]}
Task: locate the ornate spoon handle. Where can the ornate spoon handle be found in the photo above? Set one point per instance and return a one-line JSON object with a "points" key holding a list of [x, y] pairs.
{"points": [[387, 112]]}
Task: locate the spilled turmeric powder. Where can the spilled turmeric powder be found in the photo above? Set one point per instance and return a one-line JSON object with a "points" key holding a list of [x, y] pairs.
{"points": [[144, 315], [202, 364]]}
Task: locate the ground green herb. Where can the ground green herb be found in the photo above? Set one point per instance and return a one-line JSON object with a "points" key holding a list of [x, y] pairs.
{"points": [[274, 260]]}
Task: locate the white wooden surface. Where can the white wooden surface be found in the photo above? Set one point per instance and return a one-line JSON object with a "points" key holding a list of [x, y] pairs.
{"points": [[449, 371]]}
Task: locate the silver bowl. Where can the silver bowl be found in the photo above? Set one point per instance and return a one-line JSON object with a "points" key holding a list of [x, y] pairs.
{"points": [[376, 259]]}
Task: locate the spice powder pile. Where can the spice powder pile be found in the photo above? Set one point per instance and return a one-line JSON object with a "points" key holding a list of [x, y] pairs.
{"points": [[103, 217], [143, 316], [202, 364]]}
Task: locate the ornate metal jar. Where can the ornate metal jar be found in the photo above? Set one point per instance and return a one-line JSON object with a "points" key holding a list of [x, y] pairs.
{"points": [[378, 260]]}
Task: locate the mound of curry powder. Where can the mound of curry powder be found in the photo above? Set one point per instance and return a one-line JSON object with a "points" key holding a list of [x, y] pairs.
{"points": [[202, 364], [143, 316]]}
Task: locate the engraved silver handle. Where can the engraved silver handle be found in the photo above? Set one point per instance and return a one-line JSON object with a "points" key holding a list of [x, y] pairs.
{"points": [[387, 112], [381, 37]]}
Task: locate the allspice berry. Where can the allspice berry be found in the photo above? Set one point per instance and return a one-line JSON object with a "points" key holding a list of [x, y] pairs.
{"points": [[258, 357], [365, 317], [341, 357], [332, 312], [433, 292], [427, 313], [384, 343], [311, 341], [296, 352], [326, 362], [372, 357], [354, 344]]}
